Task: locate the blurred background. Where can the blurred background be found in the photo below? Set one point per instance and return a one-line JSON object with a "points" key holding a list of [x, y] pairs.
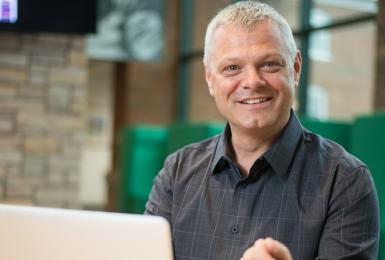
{"points": [[95, 94]]}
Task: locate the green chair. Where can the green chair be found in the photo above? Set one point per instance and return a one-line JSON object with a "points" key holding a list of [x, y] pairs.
{"points": [[215, 128], [368, 144], [142, 156], [181, 134], [339, 132]]}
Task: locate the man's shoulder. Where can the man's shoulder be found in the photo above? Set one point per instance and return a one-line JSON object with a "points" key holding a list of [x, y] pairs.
{"points": [[191, 162], [331, 151], [204, 145], [335, 163]]}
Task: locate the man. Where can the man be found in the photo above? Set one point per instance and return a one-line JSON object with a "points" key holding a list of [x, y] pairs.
{"points": [[265, 188]]}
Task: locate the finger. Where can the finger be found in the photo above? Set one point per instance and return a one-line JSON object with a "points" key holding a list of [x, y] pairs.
{"points": [[277, 249], [257, 251], [251, 251]]}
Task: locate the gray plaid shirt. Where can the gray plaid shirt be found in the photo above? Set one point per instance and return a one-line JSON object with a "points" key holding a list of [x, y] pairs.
{"points": [[305, 191]]}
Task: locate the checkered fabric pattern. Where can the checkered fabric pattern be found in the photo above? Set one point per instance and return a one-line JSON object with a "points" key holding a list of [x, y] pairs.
{"points": [[305, 191]]}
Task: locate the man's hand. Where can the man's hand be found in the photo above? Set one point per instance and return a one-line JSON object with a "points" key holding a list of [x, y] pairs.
{"points": [[267, 249]]}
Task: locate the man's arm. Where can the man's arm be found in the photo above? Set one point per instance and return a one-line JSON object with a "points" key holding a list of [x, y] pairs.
{"points": [[160, 198], [351, 230]]}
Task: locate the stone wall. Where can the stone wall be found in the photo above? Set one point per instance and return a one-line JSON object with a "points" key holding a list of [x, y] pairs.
{"points": [[43, 94]]}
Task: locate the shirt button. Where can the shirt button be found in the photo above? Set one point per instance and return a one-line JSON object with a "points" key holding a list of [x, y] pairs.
{"points": [[244, 185], [235, 229]]}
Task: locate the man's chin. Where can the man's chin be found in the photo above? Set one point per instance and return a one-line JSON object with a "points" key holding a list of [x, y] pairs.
{"points": [[252, 125]]}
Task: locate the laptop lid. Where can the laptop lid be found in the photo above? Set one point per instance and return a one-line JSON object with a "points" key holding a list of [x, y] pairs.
{"points": [[34, 233]]}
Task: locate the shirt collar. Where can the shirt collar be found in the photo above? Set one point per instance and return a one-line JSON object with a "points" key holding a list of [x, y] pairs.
{"points": [[223, 150], [279, 156]]}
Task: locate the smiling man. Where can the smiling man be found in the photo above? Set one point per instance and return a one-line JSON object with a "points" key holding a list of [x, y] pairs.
{"points": [[266, 188]]}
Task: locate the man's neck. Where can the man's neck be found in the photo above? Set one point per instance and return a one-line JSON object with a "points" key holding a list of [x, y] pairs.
{"points": [[248, 146]]}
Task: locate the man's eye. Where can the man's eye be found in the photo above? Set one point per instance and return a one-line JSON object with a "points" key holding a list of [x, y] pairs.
{"points": [[231, 68], [271, 66]]}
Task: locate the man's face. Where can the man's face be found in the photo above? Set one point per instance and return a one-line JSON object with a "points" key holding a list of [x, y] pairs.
{"points": [[252, 77]]}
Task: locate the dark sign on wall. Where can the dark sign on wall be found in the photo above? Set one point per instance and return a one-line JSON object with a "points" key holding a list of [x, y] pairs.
{"points": [[128, 30]]}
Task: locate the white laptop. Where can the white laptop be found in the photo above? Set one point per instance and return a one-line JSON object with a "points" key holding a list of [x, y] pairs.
{"points": [[34, 233]]}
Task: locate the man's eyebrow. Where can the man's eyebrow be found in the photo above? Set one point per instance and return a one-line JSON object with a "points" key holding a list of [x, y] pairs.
{"points": [[263, 56], [272, 54], [229, 60]]}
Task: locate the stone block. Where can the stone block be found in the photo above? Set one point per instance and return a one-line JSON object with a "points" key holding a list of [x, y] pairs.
{"points": [[18, 188], [6, 126], [35, 166], [61, 163], [77, 58], [80, 95], [2, 192], [57, 178], [35, 181], [13, 74], [18, 201], [10, 142], [10, 41], [78, 109], [14, 170], [28, 38], [72, 150], [32, 92], [68, 76], [3, 173], [13, 59], [78, 43], [60, 196], [11, 156], [69, 124], [31, 107], [9, 104], [73, 178], [53, 40], [49, 59], [7, 123], [41, 45], [79, 105], [33, 121], [38, 74], [60, 98], [40, 145], [8, 90]]}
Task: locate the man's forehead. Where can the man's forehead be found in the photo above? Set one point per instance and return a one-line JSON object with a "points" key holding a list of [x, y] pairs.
{"points": [[235, 36]]}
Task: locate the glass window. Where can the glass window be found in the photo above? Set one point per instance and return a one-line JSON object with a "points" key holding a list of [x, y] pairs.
{"points": [[348, 80], [203, 12], [320, 41], [343, 9], [290, 9], [318, 102]]}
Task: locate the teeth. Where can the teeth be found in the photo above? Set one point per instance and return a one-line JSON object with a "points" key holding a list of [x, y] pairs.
{"points": [[254, 101]]}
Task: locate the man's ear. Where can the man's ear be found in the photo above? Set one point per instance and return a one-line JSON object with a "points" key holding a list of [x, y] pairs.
{"points": [[297, 68], [208, 77]]}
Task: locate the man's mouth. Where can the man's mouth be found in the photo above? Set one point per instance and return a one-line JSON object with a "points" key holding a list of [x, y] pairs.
{"points": [[255, 100]]}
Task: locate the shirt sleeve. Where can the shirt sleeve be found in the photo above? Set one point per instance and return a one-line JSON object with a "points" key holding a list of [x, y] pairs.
{"points": [[351, 230], [160, 199]]}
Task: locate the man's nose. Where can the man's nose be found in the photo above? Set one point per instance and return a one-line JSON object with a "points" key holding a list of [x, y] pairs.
{"points": [[253, 79]]}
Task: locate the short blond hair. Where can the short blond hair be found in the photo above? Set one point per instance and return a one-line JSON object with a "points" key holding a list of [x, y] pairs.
{"points": [[247, 14]]}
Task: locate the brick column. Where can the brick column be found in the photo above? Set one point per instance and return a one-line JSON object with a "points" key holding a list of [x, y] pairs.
{"points": [[379, 95], [43, 94]]}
